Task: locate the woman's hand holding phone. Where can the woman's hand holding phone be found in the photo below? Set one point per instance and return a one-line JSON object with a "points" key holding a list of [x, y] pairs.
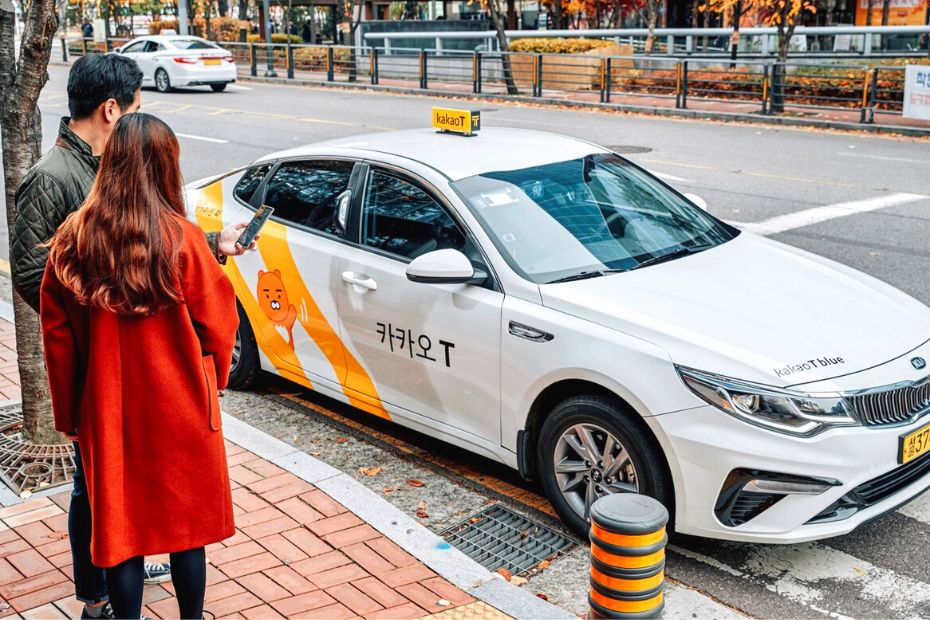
{"points": [[229, 240]]}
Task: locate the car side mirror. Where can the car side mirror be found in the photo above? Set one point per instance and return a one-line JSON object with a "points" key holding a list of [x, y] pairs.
{"points": [[341, 219], [444, 267], [697, 201]]}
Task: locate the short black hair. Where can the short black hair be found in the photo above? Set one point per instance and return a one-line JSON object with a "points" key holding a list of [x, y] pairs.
{"points": [[94, 78]]}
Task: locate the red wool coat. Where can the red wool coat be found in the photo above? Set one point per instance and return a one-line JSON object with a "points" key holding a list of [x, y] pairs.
{"points": [[141, 394]]}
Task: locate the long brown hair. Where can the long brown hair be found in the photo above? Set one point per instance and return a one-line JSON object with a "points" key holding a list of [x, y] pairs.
{"points": [[119, 251]]}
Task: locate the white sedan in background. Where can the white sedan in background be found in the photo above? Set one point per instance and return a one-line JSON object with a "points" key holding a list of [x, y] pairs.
{"points": [[170, 61]]}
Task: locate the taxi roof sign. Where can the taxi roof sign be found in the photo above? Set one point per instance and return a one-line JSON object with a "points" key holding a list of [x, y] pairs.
{"points": [[464, 122]]}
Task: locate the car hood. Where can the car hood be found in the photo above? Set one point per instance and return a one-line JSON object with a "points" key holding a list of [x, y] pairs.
{"points": [[754, 309]]}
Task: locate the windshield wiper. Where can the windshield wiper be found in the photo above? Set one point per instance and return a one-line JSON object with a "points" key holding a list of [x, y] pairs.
{"points": [[677, 253], [585, 275]]}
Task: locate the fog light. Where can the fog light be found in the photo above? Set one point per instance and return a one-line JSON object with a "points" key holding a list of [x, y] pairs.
{"points": [[786, 488]]}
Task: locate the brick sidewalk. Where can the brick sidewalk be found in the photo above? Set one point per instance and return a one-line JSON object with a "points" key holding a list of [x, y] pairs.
{"points": [[296, 553]]}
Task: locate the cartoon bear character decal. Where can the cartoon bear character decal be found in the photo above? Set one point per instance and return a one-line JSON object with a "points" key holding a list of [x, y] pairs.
{"points": [[272, 297]]}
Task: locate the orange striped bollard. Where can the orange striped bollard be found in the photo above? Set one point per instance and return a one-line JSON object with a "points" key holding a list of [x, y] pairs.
{"points": [[627, 557]]}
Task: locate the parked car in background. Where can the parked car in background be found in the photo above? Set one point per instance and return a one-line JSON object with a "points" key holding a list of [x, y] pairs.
{"points": [[171, 61]]}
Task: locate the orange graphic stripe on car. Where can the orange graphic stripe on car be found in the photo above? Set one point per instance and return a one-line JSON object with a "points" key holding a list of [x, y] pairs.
{"points": [[358, 386], [209, 211]]}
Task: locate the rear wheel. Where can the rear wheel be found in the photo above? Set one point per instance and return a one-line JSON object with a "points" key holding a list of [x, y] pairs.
{"points": [[246, 368], [162, 81], [218, 88], [592, 446]]}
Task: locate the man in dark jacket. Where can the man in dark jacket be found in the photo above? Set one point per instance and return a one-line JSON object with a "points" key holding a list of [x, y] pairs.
{"points": [[100, 90]]}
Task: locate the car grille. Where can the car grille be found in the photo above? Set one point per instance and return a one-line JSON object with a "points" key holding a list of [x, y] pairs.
{"points": [[886, 485], [893, 406], [875, 490]]}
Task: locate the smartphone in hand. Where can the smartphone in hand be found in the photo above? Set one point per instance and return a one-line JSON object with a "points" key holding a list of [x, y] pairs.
{"points": [[258, 220]]}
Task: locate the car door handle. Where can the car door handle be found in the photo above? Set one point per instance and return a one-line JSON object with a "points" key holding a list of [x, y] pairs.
{"points": [[360, 280]]}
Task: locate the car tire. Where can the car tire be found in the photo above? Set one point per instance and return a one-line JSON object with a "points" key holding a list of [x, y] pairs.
{"points": [[246, 368], [162, 81], [218, 88], [600, 416]]}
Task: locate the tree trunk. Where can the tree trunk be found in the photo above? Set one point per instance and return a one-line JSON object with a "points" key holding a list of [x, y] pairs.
{"points": [[734, 41], [222, 7], [652, 18], [243, 9], [497, 20], [868, 15], [886, 6], [21, 81]]}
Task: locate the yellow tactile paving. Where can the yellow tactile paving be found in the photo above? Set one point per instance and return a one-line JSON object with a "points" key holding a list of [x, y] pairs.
{"points": [[478, 610]]}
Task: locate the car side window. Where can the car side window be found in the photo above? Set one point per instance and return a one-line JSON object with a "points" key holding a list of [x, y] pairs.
{"points": [[151, 46], [135, 48], [305, 192], [249, 182], [400, 218]]}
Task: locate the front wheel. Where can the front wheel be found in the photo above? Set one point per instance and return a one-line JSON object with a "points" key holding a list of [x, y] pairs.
{"points": [[162, 81], [592, 446], [218, 88], [246, 368]]}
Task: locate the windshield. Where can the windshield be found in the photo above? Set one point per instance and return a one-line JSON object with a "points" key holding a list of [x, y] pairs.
{"points": [[193, 44], [587, 216]]}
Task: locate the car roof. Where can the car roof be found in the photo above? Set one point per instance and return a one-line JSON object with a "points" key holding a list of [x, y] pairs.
{"points": [[455, 156]]}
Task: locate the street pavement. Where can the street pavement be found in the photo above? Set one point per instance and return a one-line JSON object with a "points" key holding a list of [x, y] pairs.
{"points": [[861, 200]]}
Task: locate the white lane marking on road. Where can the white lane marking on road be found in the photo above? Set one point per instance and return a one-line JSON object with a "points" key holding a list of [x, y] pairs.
{"points": [[919, 509], [670, 177], [817, 215], [926, 162], [798, 570], [202, 138], [714, 563], [684, 603]]}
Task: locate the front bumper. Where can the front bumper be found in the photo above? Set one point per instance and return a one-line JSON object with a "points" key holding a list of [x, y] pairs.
{"points": [[704, 445]]}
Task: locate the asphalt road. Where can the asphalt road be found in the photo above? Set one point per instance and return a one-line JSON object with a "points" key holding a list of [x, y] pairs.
{"points": [[776, 180]]}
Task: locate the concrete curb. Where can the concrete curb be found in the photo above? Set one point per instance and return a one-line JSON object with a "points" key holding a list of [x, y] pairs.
{"points": [[445, 560], [732, 117]]}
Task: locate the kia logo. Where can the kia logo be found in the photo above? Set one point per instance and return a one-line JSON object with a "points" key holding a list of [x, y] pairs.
{"points": [[918, 362]]}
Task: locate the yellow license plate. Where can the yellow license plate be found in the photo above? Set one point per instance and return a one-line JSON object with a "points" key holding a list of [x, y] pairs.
{"points": [[211, 61], [914, 444]]}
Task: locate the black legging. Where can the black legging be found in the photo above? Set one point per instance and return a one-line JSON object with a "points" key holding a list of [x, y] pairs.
{"points": [[188, 574]]}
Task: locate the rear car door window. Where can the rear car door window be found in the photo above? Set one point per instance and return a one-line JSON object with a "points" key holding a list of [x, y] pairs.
{"points": [[305, 192]]}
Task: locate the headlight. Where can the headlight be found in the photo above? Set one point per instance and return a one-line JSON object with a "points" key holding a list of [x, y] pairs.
{"points": [[793, 413]]}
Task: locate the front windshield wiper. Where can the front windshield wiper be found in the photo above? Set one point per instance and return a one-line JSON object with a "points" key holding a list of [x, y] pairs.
{"points": [[677, 253], [584, 275]]}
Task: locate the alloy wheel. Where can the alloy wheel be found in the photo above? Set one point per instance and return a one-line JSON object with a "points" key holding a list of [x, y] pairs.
{"points": [[237, 350], [590, 463], [161, 81]]}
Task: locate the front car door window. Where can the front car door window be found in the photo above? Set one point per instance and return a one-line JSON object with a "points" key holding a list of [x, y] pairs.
{"points": [[402, 219]]}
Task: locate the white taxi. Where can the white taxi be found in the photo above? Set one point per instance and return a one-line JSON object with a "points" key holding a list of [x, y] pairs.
{"points": [[543, 302], [172, 61]]}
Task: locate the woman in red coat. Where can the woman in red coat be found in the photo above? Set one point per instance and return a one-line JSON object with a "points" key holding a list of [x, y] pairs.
{"points": [[139, 324]]}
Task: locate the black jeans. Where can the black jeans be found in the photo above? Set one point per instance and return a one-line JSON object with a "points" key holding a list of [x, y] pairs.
{"points": [[188, 573], [90, 582]]}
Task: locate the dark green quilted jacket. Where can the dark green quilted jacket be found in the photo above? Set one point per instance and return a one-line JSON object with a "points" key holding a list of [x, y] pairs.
{"points": [[53, 188]]}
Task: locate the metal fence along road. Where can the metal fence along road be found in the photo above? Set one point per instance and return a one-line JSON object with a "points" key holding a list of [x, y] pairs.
{"points": [[864, 93]]}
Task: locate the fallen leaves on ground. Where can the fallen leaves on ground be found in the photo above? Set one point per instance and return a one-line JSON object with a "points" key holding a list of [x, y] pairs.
{"points": [[506, 574], [388, 490], [369, 471], [416, 483], [57, 535], [524, 533], [544, 564], [518, 581], [342, 439], [542, 596], [421, 510]]}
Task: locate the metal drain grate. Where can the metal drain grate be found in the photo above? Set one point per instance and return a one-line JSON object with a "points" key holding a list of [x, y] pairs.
{"points": [[25, 466], [497, 538]]}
